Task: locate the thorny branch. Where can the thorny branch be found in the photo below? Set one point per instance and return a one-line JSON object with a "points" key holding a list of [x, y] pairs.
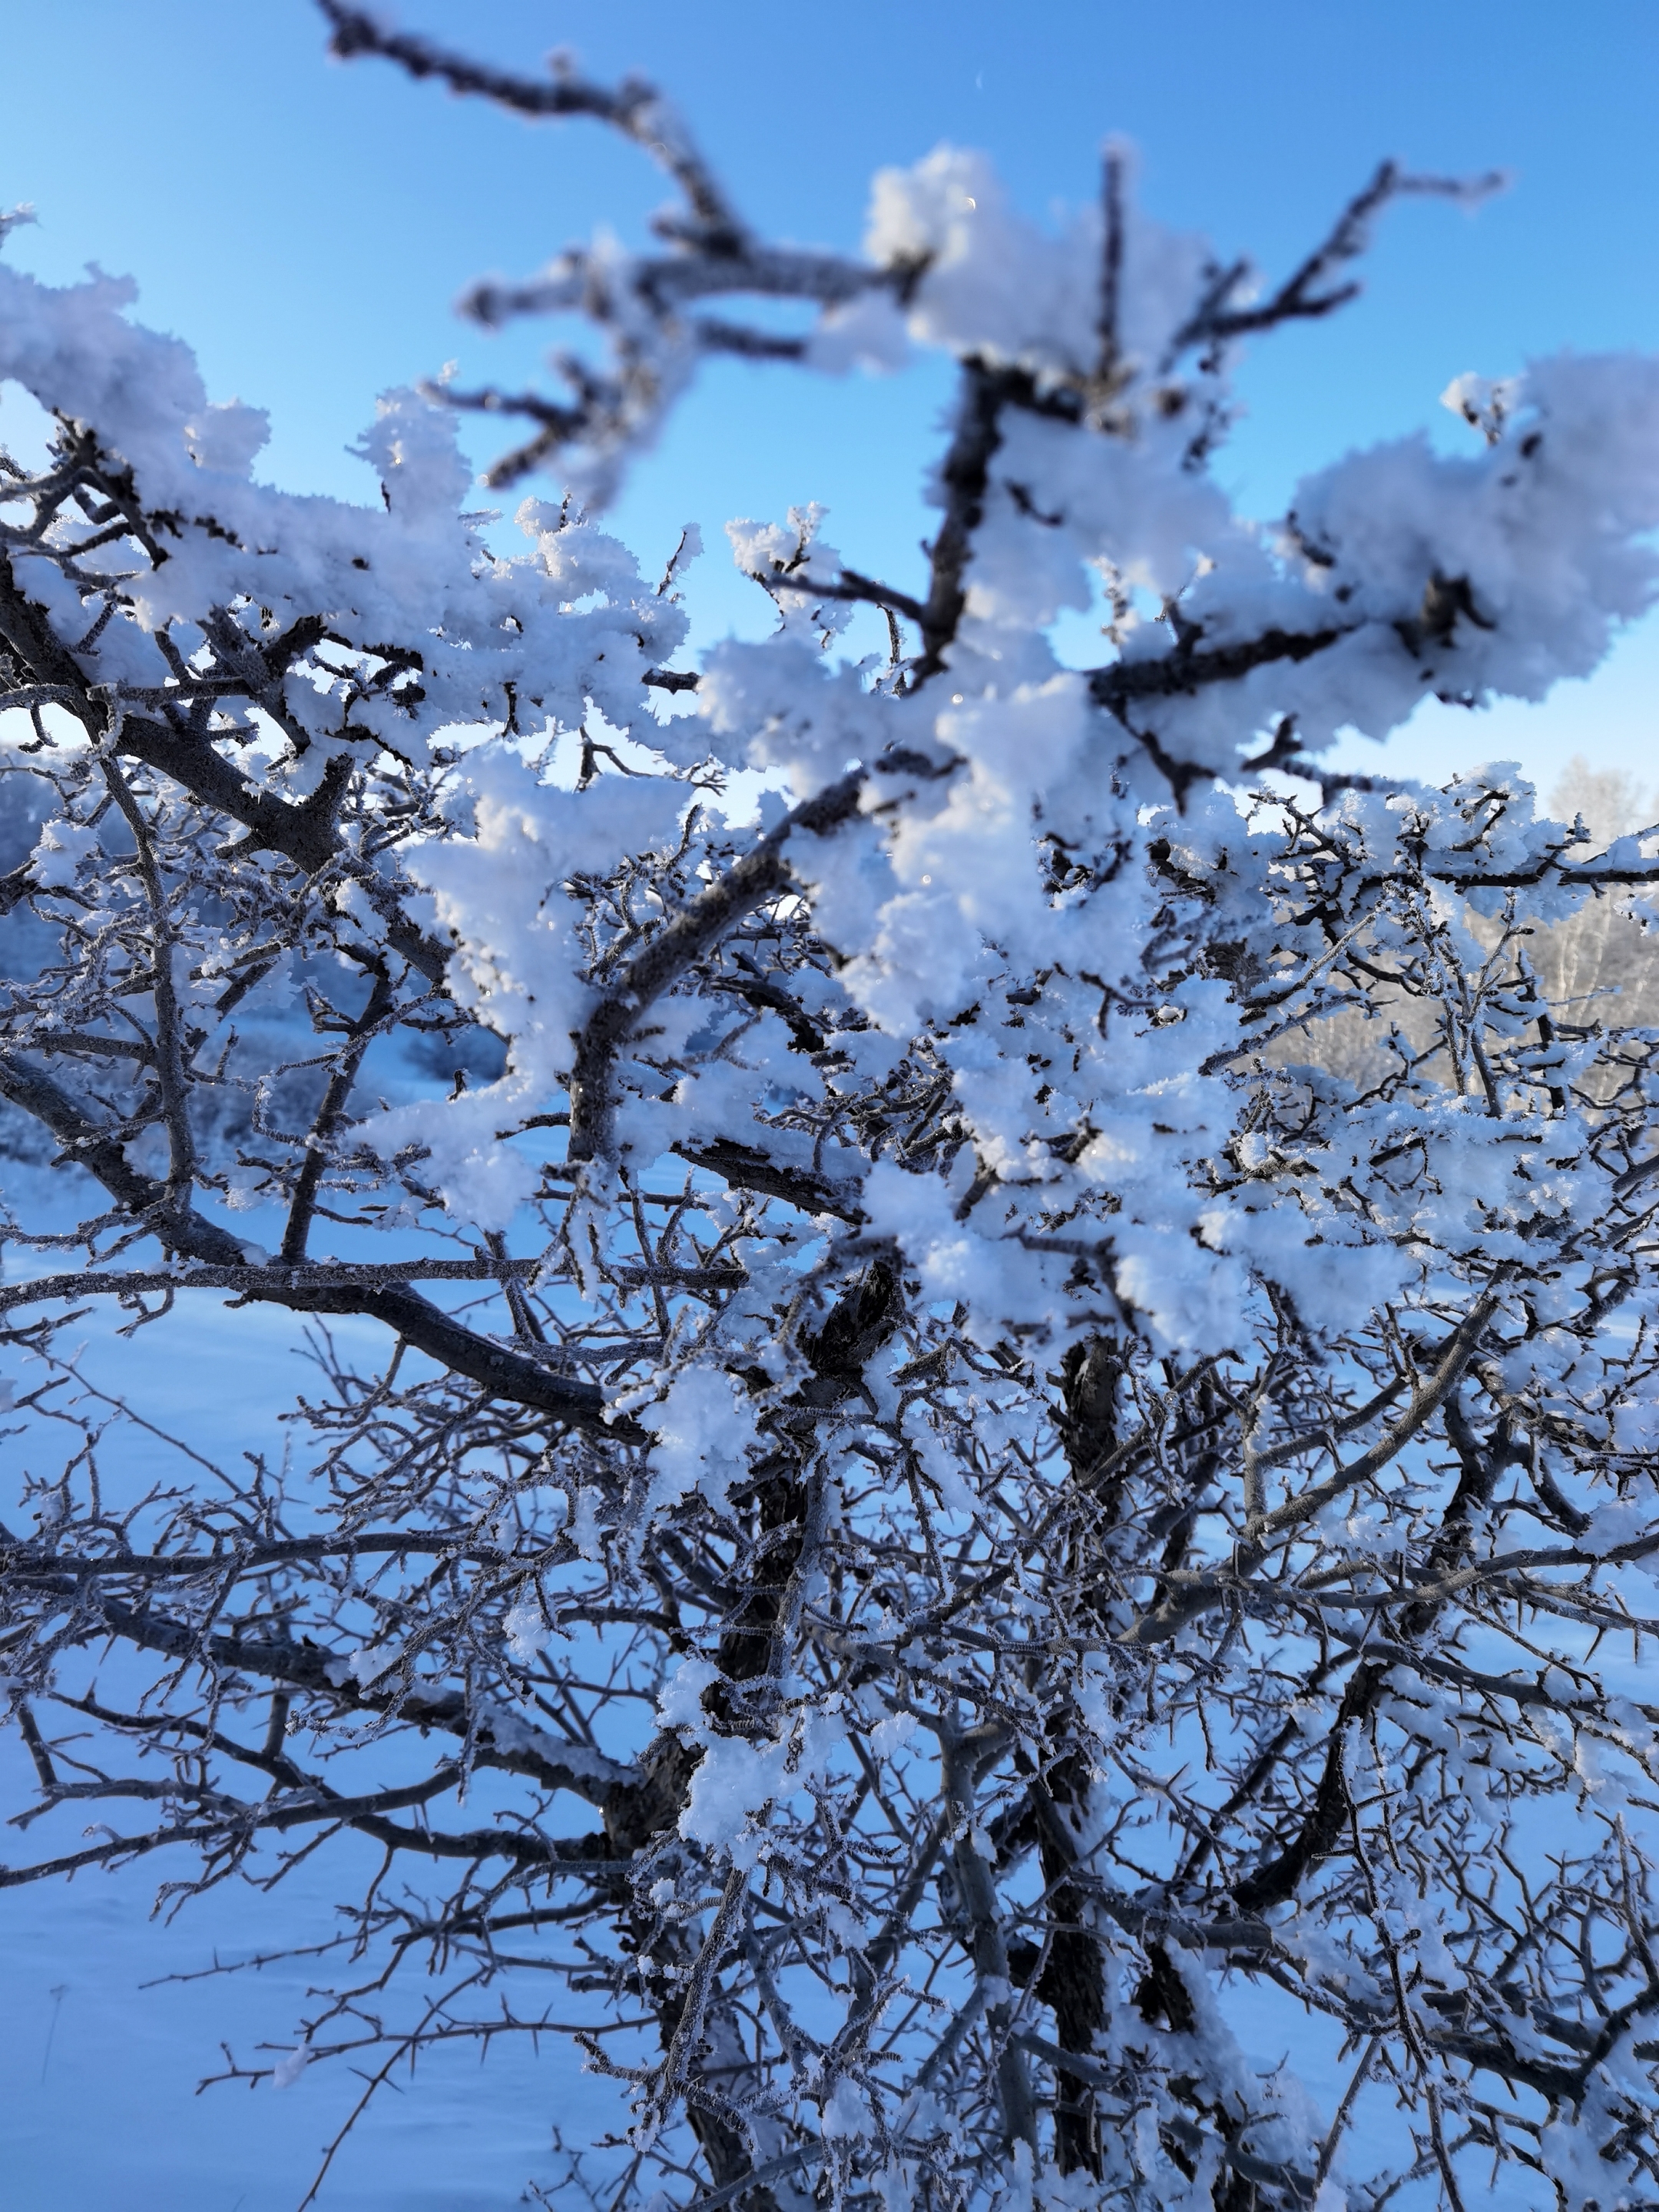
{"points": [[815, 1595]]}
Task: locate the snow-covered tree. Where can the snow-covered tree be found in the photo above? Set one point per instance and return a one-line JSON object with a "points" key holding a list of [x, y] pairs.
{"points": [[922, 1515]]}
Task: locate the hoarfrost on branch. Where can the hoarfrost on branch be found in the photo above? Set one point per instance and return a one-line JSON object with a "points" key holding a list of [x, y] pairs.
{"points": [[935, 1490]]}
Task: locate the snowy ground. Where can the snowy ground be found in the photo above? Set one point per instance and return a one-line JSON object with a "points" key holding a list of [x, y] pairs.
{"points": [[102, 2114]]}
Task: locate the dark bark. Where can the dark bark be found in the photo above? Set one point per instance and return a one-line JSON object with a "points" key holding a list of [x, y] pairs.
{"points": [[1072, 1983]]}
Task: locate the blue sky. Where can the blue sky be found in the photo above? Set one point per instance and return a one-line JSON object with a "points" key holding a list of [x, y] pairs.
{"points": [[307, 225]]}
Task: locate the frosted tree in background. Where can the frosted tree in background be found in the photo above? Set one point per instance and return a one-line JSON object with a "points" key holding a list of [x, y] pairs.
{"points": [[1606, 953], [919, 1509]]}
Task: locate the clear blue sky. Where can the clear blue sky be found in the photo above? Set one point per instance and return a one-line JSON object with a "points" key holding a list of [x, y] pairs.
{"points": [[307, 225]]}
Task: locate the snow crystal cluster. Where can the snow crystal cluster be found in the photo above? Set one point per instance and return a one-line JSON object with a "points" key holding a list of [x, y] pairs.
{"points": [[951, 1529]]}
